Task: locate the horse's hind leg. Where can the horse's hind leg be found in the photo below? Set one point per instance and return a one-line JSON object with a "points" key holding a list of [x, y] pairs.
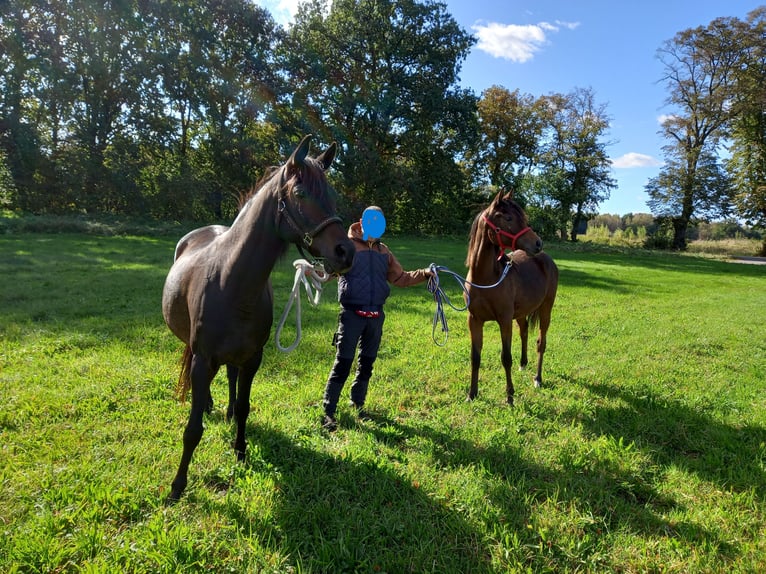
{"points": [[476, 329], [231, 374], [524, 335], [542, 341], [242, 404], [201, 373], [506, 332]]}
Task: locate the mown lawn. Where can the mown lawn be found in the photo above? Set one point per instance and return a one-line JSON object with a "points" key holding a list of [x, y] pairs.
{"points": [[644, 451]]}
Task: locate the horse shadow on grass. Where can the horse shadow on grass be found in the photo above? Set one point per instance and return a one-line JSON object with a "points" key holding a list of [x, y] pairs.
{"points": [[335, 514], [606, 495], [342, 515]]}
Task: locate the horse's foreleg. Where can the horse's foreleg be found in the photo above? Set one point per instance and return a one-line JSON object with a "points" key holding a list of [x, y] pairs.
{"points": [[201, 373], [542, 341], [242, 404], [506, 331], [524, 335], [476, 329], [231, 374]]}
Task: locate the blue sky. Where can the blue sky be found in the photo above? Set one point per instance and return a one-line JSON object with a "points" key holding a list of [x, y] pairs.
{"points": [[545, 46]]}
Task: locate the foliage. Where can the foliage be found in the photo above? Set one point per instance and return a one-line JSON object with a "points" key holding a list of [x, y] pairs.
{"points": [[748, 142], [171, 109], [574, 157], [127, 107], [7, 185], [380, 76], [511, 126], [643, 451], [702, 189], [700, 66]]}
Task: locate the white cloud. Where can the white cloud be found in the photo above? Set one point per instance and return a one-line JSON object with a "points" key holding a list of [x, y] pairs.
{"points": [[661, 119], [633, 159], [514, 42]]}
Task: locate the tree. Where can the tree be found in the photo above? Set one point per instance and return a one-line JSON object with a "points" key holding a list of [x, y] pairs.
{"points": [[747, 163], [380, 76], [699, 65], [575, 157], [511, 127], [670, 193]]}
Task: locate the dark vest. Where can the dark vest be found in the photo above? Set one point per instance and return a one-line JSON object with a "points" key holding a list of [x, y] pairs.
{"points": [[365, 286]]}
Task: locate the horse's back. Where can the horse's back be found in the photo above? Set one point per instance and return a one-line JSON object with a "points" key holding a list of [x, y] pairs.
{"points": [[538, 276], [197, 239]]}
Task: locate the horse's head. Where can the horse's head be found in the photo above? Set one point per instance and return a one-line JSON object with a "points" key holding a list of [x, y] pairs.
{"points": [[508, 227], [307, 208]]}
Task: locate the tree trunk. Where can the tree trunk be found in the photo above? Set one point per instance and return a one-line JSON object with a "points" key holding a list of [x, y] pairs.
{"points": [[680, 226]]}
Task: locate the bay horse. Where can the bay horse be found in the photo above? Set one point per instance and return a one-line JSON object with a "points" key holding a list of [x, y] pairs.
{"points": [[500, 288], [218, 297]]}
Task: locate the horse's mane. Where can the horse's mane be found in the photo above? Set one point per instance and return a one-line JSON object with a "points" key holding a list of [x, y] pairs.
{"points": [[473, 241], [312, 178]]}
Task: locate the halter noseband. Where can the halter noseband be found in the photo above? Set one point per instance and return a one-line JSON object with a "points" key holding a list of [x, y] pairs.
{"points": [[306, 236], [499, 233]]}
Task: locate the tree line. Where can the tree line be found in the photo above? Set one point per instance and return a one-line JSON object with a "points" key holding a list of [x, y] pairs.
{"points": [[172, 109]]}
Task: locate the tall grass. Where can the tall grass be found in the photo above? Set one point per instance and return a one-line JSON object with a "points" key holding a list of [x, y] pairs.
{"points": [[645, 450]]}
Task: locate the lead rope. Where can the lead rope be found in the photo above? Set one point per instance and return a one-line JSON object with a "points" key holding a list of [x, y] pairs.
{"points": [[440, 297], [311, 276]]}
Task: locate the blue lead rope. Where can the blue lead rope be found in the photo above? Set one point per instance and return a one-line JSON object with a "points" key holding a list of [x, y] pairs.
{"points": [[440, 297]]}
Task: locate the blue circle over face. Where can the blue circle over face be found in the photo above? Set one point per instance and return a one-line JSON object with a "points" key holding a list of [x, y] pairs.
{"points": [[373, 224]]}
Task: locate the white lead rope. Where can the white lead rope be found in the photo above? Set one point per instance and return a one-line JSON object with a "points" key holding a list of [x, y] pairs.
{"points": [[312, 276]]}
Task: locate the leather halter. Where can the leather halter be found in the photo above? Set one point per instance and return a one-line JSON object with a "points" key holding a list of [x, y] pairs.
{"points": [[499, 233], [307, 237]]}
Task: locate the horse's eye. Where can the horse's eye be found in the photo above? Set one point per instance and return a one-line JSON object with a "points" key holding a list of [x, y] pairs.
{"points": [[299, 191]]}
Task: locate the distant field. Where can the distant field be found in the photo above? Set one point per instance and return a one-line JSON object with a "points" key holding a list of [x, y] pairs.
{"points": [[644, 451]]}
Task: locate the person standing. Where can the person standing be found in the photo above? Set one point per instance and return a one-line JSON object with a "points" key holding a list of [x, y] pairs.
{"points": [[362, 292]]}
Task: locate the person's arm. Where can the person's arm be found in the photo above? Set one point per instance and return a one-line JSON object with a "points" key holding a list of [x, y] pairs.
{"points": [[401, 278]]}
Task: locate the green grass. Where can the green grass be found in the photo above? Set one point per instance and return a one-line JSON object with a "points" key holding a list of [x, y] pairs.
{"points": [[645, 451]]}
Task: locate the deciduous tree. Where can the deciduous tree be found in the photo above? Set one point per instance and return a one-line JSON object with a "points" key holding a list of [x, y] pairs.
{"points": [[699, 65]]}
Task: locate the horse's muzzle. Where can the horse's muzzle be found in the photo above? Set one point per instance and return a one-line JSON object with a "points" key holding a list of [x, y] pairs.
{"points": [[343, 257]]}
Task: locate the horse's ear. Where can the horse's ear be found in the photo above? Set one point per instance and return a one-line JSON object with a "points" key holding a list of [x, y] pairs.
{"points": [[300, 153], [498, 198], [509, 195], [326, 158]]}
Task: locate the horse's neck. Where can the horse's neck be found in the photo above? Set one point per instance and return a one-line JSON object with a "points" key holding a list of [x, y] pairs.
{"points": [[252, 244], [484, 268]]}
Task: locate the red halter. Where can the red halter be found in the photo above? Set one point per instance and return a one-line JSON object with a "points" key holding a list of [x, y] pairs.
{"points": [[499, 233]]}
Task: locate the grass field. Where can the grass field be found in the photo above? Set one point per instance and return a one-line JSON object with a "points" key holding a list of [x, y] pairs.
{"points": [[645, 450]]}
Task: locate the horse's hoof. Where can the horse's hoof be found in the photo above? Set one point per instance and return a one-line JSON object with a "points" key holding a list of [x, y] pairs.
{"points": [[174, 496], [538, 383], [469, 398], [509, 400], [240, 453]]}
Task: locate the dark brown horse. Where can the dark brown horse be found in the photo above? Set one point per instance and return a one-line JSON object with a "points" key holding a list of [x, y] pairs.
{"points": [[218, 297], [503, 289]]}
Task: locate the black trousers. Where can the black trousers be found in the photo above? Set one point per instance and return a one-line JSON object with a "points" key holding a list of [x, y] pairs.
{"points": [[353, 332]]}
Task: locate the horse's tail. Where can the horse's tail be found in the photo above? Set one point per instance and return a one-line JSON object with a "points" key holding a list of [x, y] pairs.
{"points": [[533, 319], [184, 377]]}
